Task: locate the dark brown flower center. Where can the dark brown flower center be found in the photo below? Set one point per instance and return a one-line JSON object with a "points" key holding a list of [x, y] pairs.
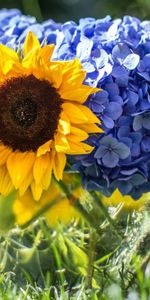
{"points": [[29, 112], [24, 112]]}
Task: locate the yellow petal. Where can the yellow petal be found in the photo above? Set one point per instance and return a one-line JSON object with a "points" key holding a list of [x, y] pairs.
{"points": [[74, 113], [6, 185], [29, 61], [31, 42], [46, 180], [73, 74], [42, 163], [81, 134], [54, 74], [75, 138], [89, 114], [4, 153], [46, 52], [64, 124], [36, 191], [25, 184], [90, 128], [72, 88], [61, 142], [13, 70], [24, 208], [44, 148], [9, 53], [63, 211], [38, 67], [77, 94], [49, 195], [59, 165], [9, 60], [7, 67], [73, 77], [73, 66], [19, 166], [87, 148], [79, 148], [129, 204]]}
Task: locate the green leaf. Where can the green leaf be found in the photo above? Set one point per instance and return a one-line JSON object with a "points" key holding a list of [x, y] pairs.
{"points": [[77, 256], [7, 218]]}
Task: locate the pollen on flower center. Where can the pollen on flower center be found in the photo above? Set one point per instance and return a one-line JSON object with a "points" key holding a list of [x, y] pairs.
{"points": [[24, 112], [29, 112]]}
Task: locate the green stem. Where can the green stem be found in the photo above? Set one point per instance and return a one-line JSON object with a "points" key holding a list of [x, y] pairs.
{"points": [[43, 210], [85, 214], [60, 273], [61, 185], [75, 202], [91, 256], [32, 7], [105, 212]]}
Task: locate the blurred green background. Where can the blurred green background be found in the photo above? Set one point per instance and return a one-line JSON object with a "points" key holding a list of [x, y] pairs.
{"points": [[62, 10]]}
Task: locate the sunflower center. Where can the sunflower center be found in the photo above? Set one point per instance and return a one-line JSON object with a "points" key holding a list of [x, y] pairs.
{"points": [[29, 112], [24, 112]]}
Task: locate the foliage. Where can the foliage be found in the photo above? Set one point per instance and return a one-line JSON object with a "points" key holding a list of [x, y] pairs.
{"points": [[78, 261]]}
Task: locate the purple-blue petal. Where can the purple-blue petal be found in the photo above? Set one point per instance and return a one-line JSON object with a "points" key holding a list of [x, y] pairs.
{"points": [[100, 152], [113, 110], [146, 122], [123, 150], [131, 61], [137, 122], [120, 52], [108, 122], [146, 144], [110, 159]]}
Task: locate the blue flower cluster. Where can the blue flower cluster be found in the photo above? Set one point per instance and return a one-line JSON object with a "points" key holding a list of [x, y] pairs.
{"points": [[116, 56], [13, 26]]}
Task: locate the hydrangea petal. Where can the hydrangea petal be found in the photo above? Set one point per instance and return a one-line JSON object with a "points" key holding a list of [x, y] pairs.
{"points": [[123, 150], [110, 159], [131, 61], [114, 110]]}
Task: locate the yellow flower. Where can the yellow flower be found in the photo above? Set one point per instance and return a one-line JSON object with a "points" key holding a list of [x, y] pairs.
{"points": [[42, 116], [25, 207], [129, 204]]}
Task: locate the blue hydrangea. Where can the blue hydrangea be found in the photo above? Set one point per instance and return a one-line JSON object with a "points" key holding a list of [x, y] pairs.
{"points": [[14, 27], [110, 152], [115, 55]]}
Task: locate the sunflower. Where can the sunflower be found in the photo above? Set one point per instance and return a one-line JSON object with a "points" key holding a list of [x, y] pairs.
{"points": [[25, 208], [129, 204], [42, 116]]}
